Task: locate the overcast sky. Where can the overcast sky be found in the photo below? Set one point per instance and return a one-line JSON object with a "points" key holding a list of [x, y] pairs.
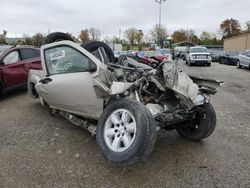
{"points": [[31, 16]]}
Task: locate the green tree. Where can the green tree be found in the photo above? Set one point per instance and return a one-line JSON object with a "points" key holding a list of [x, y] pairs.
{"points": [[37, 39], [3, 37]]}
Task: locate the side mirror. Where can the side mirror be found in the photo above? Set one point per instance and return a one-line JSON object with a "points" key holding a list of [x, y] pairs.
{"points": [[92, 67], [188, 52]]}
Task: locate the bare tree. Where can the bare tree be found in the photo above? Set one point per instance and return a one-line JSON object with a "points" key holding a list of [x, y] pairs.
{"points": [[84, 35], [159, 33], [130, 34], [94, 33]]}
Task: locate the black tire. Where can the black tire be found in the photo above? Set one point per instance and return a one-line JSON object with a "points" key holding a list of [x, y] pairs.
{"points": [[55, 37], [209, 64], [121, 59], [206, 122], [145, 135], [91, 46]]}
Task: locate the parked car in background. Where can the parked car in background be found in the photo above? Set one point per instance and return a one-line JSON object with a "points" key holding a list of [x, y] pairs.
{"points": [[151, 58], [166, 52], [244, 59], [180, 51], [198, 56], [117, 54], [229, 58], [215, 54], [15, 63]]}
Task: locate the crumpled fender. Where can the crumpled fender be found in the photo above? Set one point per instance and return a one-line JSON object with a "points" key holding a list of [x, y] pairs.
{"points": [[34, 77], [207, 84]]}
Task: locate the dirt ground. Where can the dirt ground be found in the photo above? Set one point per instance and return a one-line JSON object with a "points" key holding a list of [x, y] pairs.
{"points": [[37, 150]]}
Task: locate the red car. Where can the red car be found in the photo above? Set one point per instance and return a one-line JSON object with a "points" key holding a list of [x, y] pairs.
{"points": [[15, 63], [151, 58]]}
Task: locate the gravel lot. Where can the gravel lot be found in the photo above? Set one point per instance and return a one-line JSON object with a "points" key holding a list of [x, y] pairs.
{"points": [[37, 150]]}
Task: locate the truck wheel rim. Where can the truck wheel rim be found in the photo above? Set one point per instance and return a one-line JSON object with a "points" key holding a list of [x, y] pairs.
{"points": [[120, 130]]}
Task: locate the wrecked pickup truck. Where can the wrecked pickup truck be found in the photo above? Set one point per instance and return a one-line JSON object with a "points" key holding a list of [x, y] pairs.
{"points": [[124, 106]]}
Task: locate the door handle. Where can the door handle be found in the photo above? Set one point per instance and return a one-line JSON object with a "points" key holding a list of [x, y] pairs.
{"points": [[45, 80]]}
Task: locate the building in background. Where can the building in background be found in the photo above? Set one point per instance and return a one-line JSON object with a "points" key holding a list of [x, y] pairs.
{"points": [[239, 43]]}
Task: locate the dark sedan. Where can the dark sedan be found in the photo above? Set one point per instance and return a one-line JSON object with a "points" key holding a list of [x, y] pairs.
{"points": [[215, 54], [229, 57]]}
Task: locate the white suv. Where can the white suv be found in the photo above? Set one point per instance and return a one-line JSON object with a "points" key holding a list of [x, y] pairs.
{"points": [[198, 56]]}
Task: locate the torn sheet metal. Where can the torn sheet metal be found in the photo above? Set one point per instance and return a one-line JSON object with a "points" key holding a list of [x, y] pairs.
{"points": [[119, 87], [179, 81]]}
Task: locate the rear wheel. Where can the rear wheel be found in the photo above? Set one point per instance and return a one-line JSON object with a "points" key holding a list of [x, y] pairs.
{"points": [[125, 132], [202, 126]]}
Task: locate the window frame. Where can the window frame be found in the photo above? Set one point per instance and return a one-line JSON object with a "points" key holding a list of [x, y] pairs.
{"points": [[64, 45]]}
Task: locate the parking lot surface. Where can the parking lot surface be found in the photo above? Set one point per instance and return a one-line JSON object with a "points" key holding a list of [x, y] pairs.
{"points": [[37, 150]]}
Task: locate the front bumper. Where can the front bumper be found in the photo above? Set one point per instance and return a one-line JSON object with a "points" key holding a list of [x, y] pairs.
{"points": [[200, 61]]}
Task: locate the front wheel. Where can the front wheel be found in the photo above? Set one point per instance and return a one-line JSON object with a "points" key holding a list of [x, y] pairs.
{"points": [[202, 126], [126, 132]]}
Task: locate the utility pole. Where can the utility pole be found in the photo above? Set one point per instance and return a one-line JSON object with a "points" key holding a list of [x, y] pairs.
{"points": [[160, 32]]}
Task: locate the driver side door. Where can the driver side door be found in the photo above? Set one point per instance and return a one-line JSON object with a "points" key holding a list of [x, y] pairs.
{"points": [[69, 85]]}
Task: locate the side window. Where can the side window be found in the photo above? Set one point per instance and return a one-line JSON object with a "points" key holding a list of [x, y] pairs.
{"points": [[65, 59], [27, 53], [248, 53], [12, 57]]}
